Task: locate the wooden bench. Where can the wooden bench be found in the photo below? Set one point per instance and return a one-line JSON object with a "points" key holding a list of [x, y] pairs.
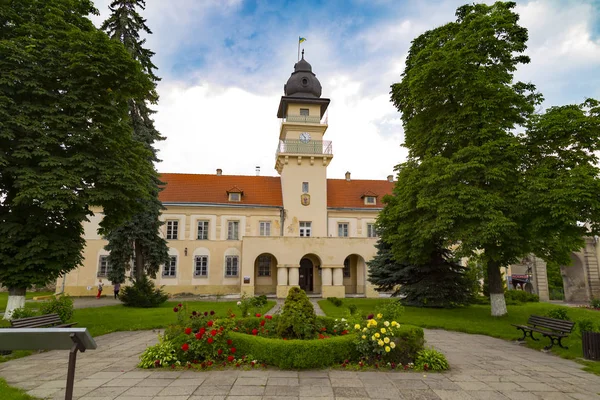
{"points": [[554, 329], [48, 320]]}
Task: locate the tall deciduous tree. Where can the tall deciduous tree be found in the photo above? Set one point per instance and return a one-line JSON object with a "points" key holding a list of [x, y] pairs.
{"points": [[66, 143], [469, 180], [138, 238]]}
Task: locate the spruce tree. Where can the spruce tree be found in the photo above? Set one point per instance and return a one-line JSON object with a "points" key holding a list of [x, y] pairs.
{"points": [[139, 238]]}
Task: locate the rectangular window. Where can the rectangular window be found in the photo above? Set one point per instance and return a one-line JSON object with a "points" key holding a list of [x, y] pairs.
{"points": [[233, 228], [103, 267], [304, 112], [264, 266], [172, 229], [201, 266], [265, 228], [231, 266], [170, 270], [346, 268], [371, 231], [343, 230], [304, 187], [202, 230], [235, 196], [370, 200], [305, 228]]}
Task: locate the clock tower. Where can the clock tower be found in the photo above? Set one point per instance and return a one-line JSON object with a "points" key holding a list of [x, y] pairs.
{"points": [[302, 154]]}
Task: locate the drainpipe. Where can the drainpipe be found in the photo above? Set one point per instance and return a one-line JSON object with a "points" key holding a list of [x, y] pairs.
{"points": [[282, 219]]}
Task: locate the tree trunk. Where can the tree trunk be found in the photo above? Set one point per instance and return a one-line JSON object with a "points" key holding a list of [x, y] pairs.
{"points": [[496, 289], [139, 262], [16, 299]]}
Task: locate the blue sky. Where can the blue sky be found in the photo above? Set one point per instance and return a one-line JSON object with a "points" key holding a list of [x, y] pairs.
{"points": [[223, 65]]}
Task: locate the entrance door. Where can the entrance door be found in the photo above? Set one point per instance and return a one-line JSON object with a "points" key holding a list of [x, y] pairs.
{"points": [[306, 275]]}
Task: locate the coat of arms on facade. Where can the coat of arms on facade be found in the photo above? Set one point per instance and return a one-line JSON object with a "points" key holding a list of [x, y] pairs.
{"points": [[305, 199]]}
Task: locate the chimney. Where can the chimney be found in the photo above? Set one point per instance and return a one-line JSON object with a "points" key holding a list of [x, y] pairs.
{"points": [[390, 178], [219, 172], [348, 176], [258, 170]]}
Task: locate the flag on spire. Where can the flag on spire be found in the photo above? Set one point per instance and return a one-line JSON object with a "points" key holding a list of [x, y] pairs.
{"points": [[301, 39]]}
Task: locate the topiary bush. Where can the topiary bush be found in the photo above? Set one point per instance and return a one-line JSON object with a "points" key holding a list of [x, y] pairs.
{"points": [[63, 306], [335, 301], [298, 319], [143, 293]]}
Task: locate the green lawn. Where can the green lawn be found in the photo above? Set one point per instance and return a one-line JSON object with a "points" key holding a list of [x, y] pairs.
{"points": [[11, 393], [477, 319], [28, 295]]}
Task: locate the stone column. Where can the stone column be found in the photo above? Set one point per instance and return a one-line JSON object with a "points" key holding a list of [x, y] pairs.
{"points": [[326, 276], [333, 281], [540, 278], [282, 275], [294, 273], [338, 277]]}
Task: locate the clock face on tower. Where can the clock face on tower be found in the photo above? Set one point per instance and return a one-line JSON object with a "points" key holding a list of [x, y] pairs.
{"points": [[305, 137]]}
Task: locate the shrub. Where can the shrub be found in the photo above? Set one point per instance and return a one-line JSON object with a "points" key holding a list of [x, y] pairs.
{"points": [[297, 354], [22, 313], [63, 306], [559, 313], [298, 318], [431, 360], [352, 308], [258, 301], [143, 293], [585, 325], [160, 355], [390, 309], [521, 296], [335, 301], [595, 303]]}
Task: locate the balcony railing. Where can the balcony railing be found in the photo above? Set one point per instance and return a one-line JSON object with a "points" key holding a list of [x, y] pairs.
{"points": [[303, 119], [296, 146]]}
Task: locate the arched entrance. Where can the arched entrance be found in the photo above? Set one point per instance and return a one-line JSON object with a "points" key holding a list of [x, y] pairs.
{"points": [[574, 281], [309, 273], [265, 274], [354, 274]]}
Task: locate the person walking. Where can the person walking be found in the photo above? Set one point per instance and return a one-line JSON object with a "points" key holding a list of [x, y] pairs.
{"points": [[100, 287], [116, 288]]}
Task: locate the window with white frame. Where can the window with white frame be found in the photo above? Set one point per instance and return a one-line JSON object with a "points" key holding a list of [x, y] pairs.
{"points": [[235, 196], [103, 267], [202, 230], [304, 187], [370, 200], [170, 269], [231, 266], [343, 229], [371, 231], [264, 265], [172, 229], [305, 228], [233, 228], [347, 268], [265, 228], [201, 266]]}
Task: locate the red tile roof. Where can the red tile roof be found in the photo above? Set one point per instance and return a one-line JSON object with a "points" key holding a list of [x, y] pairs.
{"points": [[264, 190]]}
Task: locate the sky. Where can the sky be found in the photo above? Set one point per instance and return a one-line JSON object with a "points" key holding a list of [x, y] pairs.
{"points": [[223, 64]]}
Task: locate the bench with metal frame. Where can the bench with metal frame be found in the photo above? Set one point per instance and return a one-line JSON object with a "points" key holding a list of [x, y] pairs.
{"points": [[554, 329], [74, 339], [48, 320]]}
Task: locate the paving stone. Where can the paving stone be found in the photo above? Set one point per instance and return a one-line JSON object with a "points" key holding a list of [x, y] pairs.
{"points": [[382, 393], [123, 382], [520, 395], [349, 392], [315, 391], [219, 381], [452, 394], [171, 397], [282, 391], [142, 391], [315, 381], [340, 382], [276, 381], [279, 398], [208, 397], [409, 384], [442, 385], [419, 395], [106, 391], [48, 392], [212, 390], [155, 382], [505, 386], [487, 395], [180, 390], [256, 381]]}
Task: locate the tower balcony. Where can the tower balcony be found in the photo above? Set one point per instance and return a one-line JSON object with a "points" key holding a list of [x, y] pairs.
{"points": [[305, 119], [312, 147]]}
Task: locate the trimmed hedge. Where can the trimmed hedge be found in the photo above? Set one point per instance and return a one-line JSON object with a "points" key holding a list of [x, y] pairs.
{"points": [[412, 341], [246, 325], [297, 354]]}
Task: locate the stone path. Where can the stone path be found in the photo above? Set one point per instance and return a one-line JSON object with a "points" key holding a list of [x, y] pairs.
{"points": [[482, 368]]}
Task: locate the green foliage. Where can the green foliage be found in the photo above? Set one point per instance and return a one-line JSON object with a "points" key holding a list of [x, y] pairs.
{"points": [[63, 306], [298, 319], [521, 296], [337, 302], [143, 293], [390, 309], [297, 354], [11, 393], [352, 308], [247, 303], [258, 301], [559, 313], [23, 312], [595, 303], [160, 355], [586, 325], [431, 360], [555, 281], [55, 165]]}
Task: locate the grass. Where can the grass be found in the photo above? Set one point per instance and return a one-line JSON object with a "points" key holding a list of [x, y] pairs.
{"points": [[477, 319], [28, 296], [12, 393]]}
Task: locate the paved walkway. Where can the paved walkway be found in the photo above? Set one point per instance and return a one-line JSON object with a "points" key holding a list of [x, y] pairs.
{"points": [[482, 368]]}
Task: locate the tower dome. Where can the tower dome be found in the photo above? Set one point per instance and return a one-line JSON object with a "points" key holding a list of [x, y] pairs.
{"points": [[303, 82]]}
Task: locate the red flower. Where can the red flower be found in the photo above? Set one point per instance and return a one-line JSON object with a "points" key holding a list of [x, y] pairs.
{"points": [[194, 313], [210, 323], [257, 315], [262, 322], [213, 332], [230, 358], [188, 331], [185, 347], [229, 342], [179, 305], [321, 336], [198, 335], [220, 351], [202, 331], [254, 332], [210, 363], [323, 329], [212, 313], [205, 313], [221, 329], [175, 309], [210, 340], [268, 316], [232, 350]]}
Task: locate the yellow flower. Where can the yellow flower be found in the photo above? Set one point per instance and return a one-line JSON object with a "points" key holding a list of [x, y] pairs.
{"points": [[379, 316], [374, 323], [364, 337], [387, 340], [364, 329], [386, 323], [394, 323], [387, 349], [377, 335], [382, 330], [380, 342], [357, 326], [393, 345], [373, 338]]}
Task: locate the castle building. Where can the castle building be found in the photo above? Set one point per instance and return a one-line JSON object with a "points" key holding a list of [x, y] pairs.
{"points": [[261, 234]]}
